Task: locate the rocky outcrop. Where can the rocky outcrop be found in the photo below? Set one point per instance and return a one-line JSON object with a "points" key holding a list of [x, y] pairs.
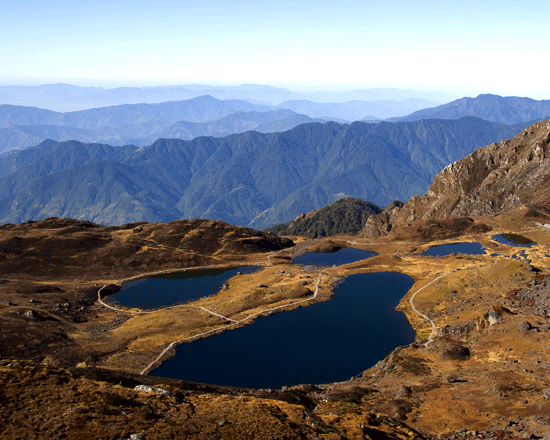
{"points": [[494, 315], [381, 224], [489, 181]]}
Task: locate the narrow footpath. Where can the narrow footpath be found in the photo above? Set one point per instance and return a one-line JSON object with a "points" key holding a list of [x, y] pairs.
{"points": [[233, 322], [426, 318]]}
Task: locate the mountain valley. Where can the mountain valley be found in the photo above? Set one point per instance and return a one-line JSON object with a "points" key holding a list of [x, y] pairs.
{"points": [[282, 220], [478, 368]]}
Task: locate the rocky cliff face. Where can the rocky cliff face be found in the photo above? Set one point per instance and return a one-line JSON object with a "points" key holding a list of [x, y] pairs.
{"points": [[490, 181]]}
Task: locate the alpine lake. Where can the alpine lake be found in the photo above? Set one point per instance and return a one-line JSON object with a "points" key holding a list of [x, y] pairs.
{"points": [[324, 342]]}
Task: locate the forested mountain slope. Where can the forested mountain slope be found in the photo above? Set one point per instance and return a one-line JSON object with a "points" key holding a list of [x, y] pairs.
{"points": [[250, 179]]}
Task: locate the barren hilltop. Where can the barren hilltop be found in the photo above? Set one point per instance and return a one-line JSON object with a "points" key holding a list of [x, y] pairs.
{"points": [[490, 181]]}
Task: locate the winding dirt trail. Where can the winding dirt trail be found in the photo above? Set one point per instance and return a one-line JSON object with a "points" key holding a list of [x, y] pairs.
{"points": [[426, 318], [144, 312]]}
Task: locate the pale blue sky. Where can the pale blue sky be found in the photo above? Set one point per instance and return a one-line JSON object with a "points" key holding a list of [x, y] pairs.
{"points": [[465, 48]]}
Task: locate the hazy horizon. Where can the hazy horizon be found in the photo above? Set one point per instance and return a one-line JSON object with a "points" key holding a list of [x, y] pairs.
{"points": [[462, 49]]}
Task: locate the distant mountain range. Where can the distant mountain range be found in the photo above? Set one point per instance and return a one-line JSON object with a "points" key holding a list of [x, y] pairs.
{"points": [[66, 98], [142, 124], [356, 110], [493, 108], [249, 179], [201, 109]]}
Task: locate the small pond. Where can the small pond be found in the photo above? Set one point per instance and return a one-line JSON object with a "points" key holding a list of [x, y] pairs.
{"points": [[514, 240], [323, 342], [338, 258], [468, 248], [175, 288]]}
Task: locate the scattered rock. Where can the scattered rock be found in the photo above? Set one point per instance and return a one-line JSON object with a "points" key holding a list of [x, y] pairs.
{"points": [[457, 329], [546, 393], [260, 285], [30, 314], [139, 436], [532, 300]]}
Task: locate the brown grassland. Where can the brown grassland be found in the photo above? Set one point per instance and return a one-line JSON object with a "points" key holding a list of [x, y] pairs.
{"points": [[69, 365]]}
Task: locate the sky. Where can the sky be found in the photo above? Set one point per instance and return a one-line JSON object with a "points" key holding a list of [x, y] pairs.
{"points": [[464, 48]]}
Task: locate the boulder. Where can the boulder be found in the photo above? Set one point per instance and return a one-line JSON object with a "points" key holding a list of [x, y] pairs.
{"points": [[494, 315], [525, 326], [451, 378], [149, 389], [403, 392]]}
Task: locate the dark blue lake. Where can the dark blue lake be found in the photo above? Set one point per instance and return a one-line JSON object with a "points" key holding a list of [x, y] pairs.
{"points": [[513, 240], [321, 343], [175, 288], [468, 248], [338, 258]]}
